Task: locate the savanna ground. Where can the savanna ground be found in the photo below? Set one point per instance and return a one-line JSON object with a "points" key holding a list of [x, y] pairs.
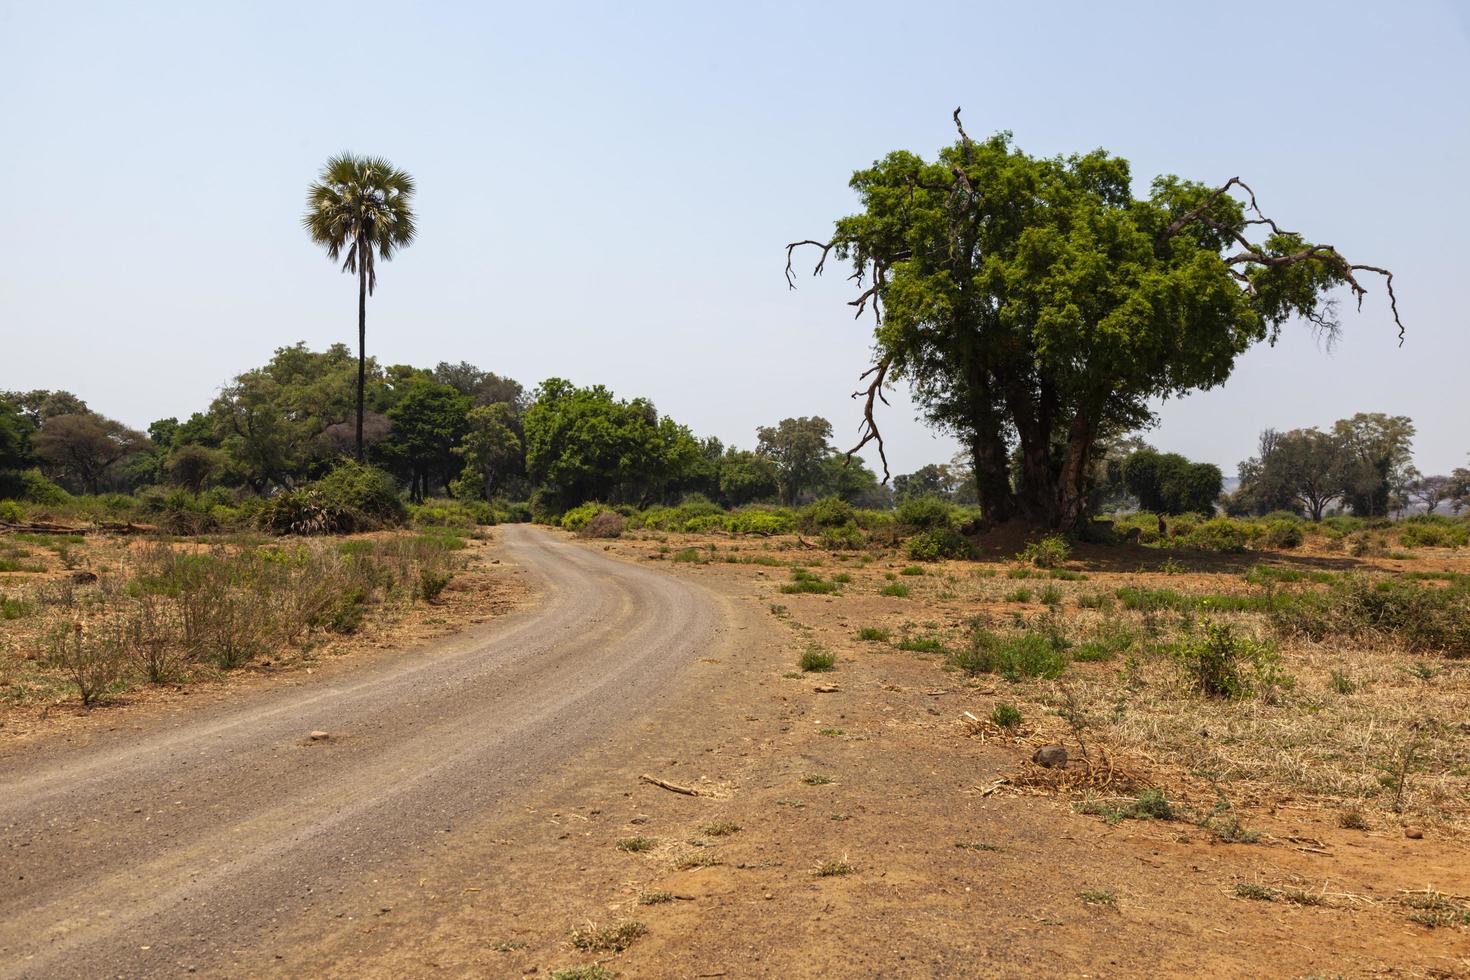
{"points": [[883, 817]]}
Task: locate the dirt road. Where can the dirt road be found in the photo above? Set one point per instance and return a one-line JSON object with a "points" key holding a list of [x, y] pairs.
{"points": [[185, 844]]}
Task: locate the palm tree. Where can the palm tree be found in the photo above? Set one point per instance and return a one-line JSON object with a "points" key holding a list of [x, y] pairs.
{"points": [[360, 205]]}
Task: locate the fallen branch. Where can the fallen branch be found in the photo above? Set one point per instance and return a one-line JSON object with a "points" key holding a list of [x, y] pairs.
{"points": [[671, 787]]}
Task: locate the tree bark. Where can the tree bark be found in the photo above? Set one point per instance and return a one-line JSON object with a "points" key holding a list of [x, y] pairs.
{"points": [[1072, 487], [361, 340]]}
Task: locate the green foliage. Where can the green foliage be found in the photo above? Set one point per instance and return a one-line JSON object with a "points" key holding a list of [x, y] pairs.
{"points": [[1420, 618], [351, 498], [803, 581], [938, 543], [11, 511], [1170, 484], [1219, 534], [1223, 663], [847, 537], [926, 513], [797, 448], [577, 518], [1015, 656], [895, 589], [1048, 552], [1428, 531], [814, 659], [872, 634], [827, 512], [1005, 716]]}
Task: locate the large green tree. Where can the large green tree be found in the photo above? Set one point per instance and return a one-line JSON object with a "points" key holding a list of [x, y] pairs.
{"points": [[359, 211], [428, 421], [1037, 303], [82, 448], [797, 447], [1379, 450]]}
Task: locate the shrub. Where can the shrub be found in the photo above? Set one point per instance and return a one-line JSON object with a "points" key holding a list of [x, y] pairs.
{"points": [[1280, 534], [937, 543], [577, 518], [1422, 618], [92, 663], [895, 589], [803, 581], [926, 513], [872, 634], [1218, 534], [39, 490], [1049, 552], [816, 660], [763, 522], [1014, 656], [1221, 663], [827, 512], [351, 498], [432, 582], [848, 537], [1005, 716], [607, 939], [11, 512], [1415, 532], [608, 524]]}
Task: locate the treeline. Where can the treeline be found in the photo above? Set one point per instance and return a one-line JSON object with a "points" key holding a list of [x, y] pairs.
{"points": [[264, 448], [454, 430]]}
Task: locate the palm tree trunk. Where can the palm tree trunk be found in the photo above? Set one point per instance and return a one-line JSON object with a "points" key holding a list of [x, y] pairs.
{"points": [[361, 340]]}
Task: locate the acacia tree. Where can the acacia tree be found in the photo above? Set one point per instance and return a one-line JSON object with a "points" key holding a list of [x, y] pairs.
{"points": [[1380, 460], [82, 447], [1038, 303], [360, 206], [798, 448]]}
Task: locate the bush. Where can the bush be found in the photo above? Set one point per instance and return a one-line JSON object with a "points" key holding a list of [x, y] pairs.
{"points": [[763, 522], [1005, 716], [827, 512], [577, 518], [895, 589], [39, 490], [1415, 532], [937, 543], [816, 660], [1014, 656], [1422, 618], [608, 524], [1218, 534], [848, 537], [926, 513], [11, 512], [803, 581], [351, 498], [1050, 552], [1280, 534], [92, 663], [1221, 663], [432, 582]]}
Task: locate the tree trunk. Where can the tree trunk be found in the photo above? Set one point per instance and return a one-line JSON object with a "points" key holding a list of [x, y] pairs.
{"points": [[1072, 487], [992, 477], [361, 340]]}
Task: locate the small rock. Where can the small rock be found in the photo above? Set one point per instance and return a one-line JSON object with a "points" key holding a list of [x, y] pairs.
{"points": [[83, 577], [640, 818], [1413, 833], [1051, 757], [318, 736]]}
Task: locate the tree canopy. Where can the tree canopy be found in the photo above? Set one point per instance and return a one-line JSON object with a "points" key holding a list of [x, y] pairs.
{"points": [[1037, 303]]}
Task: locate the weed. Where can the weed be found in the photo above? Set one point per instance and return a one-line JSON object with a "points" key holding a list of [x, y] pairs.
{"points": [[975, 845], [1014, 656], [834, 869], [655, 898], [1255, 892], [872, 634], [612, 938], [896, 589], [915, 644], [816, 780], [722, 828], [1352, 819], [816, 660], [1092, 897], [1342, 683], [432, 583], [1005, 716], [637, 845], [1049, 552], [1221, 663], [832, 732]]}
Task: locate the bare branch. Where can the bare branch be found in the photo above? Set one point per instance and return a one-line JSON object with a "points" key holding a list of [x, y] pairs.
{"points": [[869, 428], [826, 248]]}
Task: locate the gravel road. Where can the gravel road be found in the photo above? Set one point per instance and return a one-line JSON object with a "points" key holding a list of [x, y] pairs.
{"points": [[187, 845]]}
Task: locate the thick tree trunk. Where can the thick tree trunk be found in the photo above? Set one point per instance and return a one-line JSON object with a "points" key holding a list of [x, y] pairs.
{"points": [[992, 477], [361, 341], [1072, 487]]}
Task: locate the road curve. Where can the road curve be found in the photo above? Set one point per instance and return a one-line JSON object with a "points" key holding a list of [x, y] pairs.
{"points": [[186, 845]]}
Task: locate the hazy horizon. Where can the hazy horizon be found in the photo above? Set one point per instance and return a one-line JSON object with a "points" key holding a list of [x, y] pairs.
{"points": [[606, 195]]}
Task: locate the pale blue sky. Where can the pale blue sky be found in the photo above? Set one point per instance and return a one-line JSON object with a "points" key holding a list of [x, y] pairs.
{"points": [[605, 189]]}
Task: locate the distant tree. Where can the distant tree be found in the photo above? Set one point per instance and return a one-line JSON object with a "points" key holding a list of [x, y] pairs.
{"points": [[1431, 491], [15, 437], [490, 448], [1460, 489], [930, 480], [1304, 470], [1170, 484], [39, 405], [195, 467], [584, 444], [1109, 490], [429, 420], [82, 448], [360, 206], [850, 479], [798, 448], [747, 477], [1379, 460], [1038, 302], [483, 387]]}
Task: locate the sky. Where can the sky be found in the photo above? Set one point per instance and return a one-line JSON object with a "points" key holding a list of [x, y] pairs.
{"points": [[605, 190]]}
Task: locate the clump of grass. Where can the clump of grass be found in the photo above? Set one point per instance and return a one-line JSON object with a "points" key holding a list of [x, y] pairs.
{"points": [[637, 845], [815, 660], [1050, 595], [912, 570], [1095, 897], [805, 582], [813, 779], [1049, 552], [1433, 910], [1342, 683], [976, 845], [1220, 662], [1014, 656], [1151, 804], [916, 644], [1255, 892], [872, 634], [614, 938], [1106, 642], [1352, 819], [832, 732], [1095, 600], [592, 971], [1005, 716], [695, 859], [896, 589], [692, 555], [1018, 595], [655, 898], [1064, 575], [834, 869], [720, 828], [1019, 573], [842, 578]]}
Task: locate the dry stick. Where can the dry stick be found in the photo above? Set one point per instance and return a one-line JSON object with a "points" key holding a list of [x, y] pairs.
{"points": [[671, 787]]}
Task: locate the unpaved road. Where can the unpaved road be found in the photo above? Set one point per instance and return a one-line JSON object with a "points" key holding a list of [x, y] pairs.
{"points": [[187, 844]]}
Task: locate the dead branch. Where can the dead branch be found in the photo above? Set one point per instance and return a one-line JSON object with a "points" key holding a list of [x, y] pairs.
{"points": [[869, 426], [671, 787]]}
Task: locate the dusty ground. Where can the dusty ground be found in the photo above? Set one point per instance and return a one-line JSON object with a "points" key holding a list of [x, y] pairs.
{"points": [[946, 872]]}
